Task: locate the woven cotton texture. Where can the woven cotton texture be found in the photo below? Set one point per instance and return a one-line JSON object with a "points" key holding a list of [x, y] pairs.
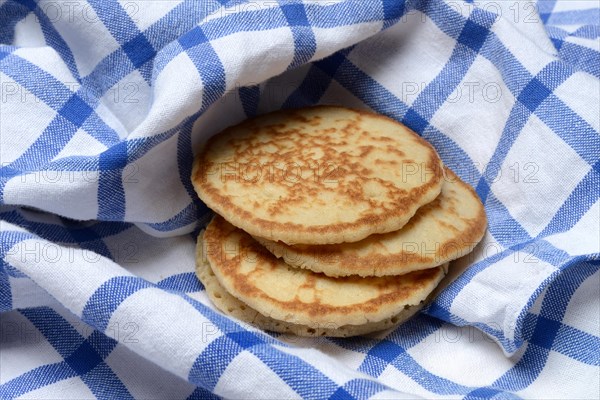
{"points": [[104, 104]]}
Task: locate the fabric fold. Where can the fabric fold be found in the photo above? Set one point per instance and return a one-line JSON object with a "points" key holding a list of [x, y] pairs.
{"points": [[102, 114]]}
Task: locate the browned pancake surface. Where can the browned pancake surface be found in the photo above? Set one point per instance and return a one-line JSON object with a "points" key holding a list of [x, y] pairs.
{"points": [[253, 275], [443, 230], [317, 175]]}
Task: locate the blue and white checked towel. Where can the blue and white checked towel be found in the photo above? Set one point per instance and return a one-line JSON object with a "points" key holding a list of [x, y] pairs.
{"points": [[103, 104]]}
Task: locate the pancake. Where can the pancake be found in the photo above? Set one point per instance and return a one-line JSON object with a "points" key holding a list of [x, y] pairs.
{"points": [[441, 231], [253, 275], [233, 307], [317, 175]]}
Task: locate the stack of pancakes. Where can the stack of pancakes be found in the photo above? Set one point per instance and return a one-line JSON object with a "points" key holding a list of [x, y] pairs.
{"points": [[330, 221]]}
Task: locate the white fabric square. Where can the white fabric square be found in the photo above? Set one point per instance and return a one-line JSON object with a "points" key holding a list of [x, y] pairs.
{"points": [[47, 59], [23, 347], [129, 99], [476, 360], [81, 144], [332, 368], [168, 103], [82, 29], [145, 13], [81, 271], [520, 45], [575, 381], [265, 54], [397, 59], [574, 5], [59, 192], [140, 376], [67, 389], [483, 93], [155, 175], [403, 383], [28, 32], [147, 256], [529, 175], [496, 295], [169, 330], [584, 237], [17, 134], [236, 379], [580, 92], [329, 38], [26, 293]]}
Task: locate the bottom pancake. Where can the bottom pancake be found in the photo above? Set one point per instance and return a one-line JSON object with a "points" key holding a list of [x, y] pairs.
{"points": [[253, 275], [233, 307]]}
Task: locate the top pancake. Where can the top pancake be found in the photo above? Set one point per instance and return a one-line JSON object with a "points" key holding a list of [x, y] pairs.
{"points": [[249, 272], [317, 175], [445, 229]]}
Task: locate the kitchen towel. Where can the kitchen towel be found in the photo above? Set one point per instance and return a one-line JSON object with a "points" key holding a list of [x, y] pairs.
{"points": [[104, 104]]}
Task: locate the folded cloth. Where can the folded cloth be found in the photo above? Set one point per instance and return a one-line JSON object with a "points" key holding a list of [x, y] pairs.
{"points": [[104, 103]]}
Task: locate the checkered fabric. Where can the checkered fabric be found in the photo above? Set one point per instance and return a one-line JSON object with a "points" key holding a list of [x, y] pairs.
{"points": [[104, 103]]}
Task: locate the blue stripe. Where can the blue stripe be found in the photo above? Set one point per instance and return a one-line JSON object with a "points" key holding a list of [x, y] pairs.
{"points": [[209, 361], [583, 197], [554, 306], [394, 352], [316, 82], [105, 384], [84, 357], [71, 232], [501, 224], [88, 239], [111, 194], [39, 377], [393, 10], [250, 96], [169, 28], [575, 17], [5, 290], [185, 282], [587, 32], [202, 394], [545, 8], [57, 330], [39, 82], [305, 43], [472, 37], [116, 20], [208, 64], [185, 161], [105, 300], [580, 57], [298, 375], [529, 99], [11, 13], [358, 389], [55, 94], [192, 213], [578, 345], [54, 40]]}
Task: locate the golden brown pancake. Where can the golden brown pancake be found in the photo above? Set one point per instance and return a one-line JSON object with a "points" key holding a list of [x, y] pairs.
{"points": [[443, 230], [317, 175], [246, 270], [237, 309]]}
